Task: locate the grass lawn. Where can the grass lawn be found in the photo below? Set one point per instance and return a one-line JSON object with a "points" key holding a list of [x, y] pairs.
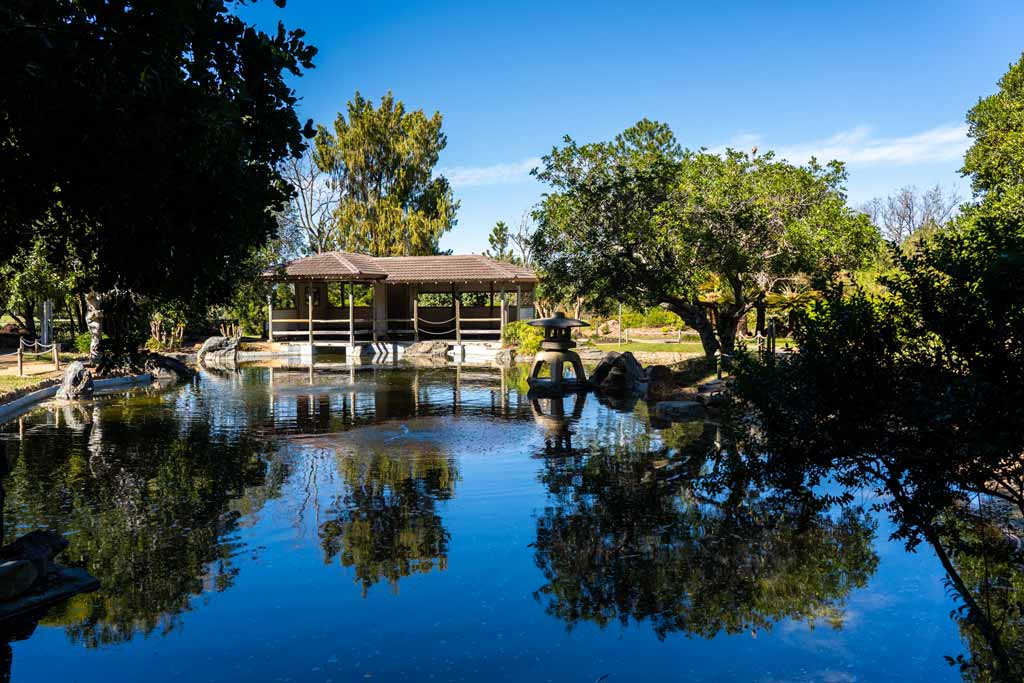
{"points": [[654, 347], [13, 382]]}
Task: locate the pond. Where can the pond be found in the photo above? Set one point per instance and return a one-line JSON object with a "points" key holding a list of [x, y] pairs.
{"points": [[395, 524]]}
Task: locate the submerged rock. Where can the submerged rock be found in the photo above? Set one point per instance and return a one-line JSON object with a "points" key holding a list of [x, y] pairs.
{"points": [[678, 410], [166, 368], [218, 350], [428, 348], [16, 577], [77, 382], [506, 358]]}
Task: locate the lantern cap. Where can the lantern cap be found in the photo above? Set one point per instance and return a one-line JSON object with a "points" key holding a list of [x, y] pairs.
{"points": [[558, 321]]}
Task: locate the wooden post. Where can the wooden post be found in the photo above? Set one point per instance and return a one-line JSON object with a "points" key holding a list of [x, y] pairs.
{"points": [[458, 322], [519, 301], [21, 367], [351, 315], [56, 356], [415, 317], [270, 316], [309, 310], [373, 311]]}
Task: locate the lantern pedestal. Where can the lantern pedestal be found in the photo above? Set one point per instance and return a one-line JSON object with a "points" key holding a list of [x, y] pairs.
{"points": [[556, 352]]}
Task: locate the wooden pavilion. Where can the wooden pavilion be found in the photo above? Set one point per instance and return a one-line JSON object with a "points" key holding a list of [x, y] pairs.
{"points": [[347, 300]]}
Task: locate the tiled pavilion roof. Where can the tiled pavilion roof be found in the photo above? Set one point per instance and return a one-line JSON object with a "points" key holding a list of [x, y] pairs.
{"points": [[336, 265]]}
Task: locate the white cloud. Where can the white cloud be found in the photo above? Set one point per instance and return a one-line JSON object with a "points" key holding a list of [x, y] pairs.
{"points": [[859, 146], [495, 174]]}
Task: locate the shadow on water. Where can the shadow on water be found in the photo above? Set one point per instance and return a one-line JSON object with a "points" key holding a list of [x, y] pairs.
{"points": [[668, 530]]}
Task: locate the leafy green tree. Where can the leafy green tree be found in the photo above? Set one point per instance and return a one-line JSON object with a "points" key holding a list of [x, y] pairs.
{"points": [[31, 277], [501, 244], [146, 137], [708, 236], [383, 160], [918, 390]]}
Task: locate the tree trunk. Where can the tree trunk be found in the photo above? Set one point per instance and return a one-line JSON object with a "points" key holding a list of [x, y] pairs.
{"points": [[760, 318], [728, 322], [94, 321], [29, 313], [695, 315], [80, 313]]}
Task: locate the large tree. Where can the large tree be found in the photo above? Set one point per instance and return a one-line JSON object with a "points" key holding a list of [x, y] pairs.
{"points": [[383, 160], [708, 236], [918, 390], [146, 138]]}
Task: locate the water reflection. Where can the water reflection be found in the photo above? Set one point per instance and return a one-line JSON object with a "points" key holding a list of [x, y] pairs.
{"points": [[667, 528], [153, 517], [629, 535]]}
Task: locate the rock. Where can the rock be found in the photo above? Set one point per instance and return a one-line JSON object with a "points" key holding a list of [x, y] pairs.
{"points": [[678, 410], [38, 547], [218, 350], [506, 358], [167, 368], [604, 366], [625, 376], [428, 348], [712, 386], [660, 382], [16, 577], [77, 382]]}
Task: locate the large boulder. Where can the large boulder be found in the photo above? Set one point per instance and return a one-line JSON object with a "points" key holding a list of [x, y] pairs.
{"points": [[619, 374], [660, 382], [77, 382], [428, 349], [218, 351]]}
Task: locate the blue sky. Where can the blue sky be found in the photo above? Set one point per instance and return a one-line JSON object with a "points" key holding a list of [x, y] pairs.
{"points": [[881, 85]]}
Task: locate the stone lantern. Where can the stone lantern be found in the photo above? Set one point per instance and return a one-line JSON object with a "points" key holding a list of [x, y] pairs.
{"points": [[556, 351]]}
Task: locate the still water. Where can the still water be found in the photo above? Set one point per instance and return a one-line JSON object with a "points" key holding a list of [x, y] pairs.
{"points": [[432, 524]]}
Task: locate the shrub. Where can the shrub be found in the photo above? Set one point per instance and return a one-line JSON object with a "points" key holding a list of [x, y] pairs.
{"points": [[525, 337], [82, 342]]}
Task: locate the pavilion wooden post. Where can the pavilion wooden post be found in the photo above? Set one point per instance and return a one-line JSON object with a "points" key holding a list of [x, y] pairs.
{"points": [[270, 317], [351, 314], [373, 311], [415, 318], [458, 322], [309, 310], [519, 301]]}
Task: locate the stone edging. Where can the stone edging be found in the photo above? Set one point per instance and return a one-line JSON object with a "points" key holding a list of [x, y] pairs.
{"points": [[23, 403]]}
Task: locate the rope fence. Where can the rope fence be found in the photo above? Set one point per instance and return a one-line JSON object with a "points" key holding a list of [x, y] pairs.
{"points": [[38, 350]]}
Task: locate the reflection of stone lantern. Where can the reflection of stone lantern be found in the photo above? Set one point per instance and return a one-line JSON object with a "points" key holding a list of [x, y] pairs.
{"points": [[556, 424], [556, 351]]}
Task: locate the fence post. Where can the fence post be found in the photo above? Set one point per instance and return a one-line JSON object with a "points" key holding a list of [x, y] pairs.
{"points": [[20, 362], [56, 356], [458, 322], [415, 319]]}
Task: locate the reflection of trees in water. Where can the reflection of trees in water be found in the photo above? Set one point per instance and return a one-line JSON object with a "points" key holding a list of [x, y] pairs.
{"points": [[149, 504], [629, 536], [386, 525]]}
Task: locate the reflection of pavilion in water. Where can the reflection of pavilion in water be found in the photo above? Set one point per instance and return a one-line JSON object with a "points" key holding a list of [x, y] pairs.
{"points": [[325, 397]]}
